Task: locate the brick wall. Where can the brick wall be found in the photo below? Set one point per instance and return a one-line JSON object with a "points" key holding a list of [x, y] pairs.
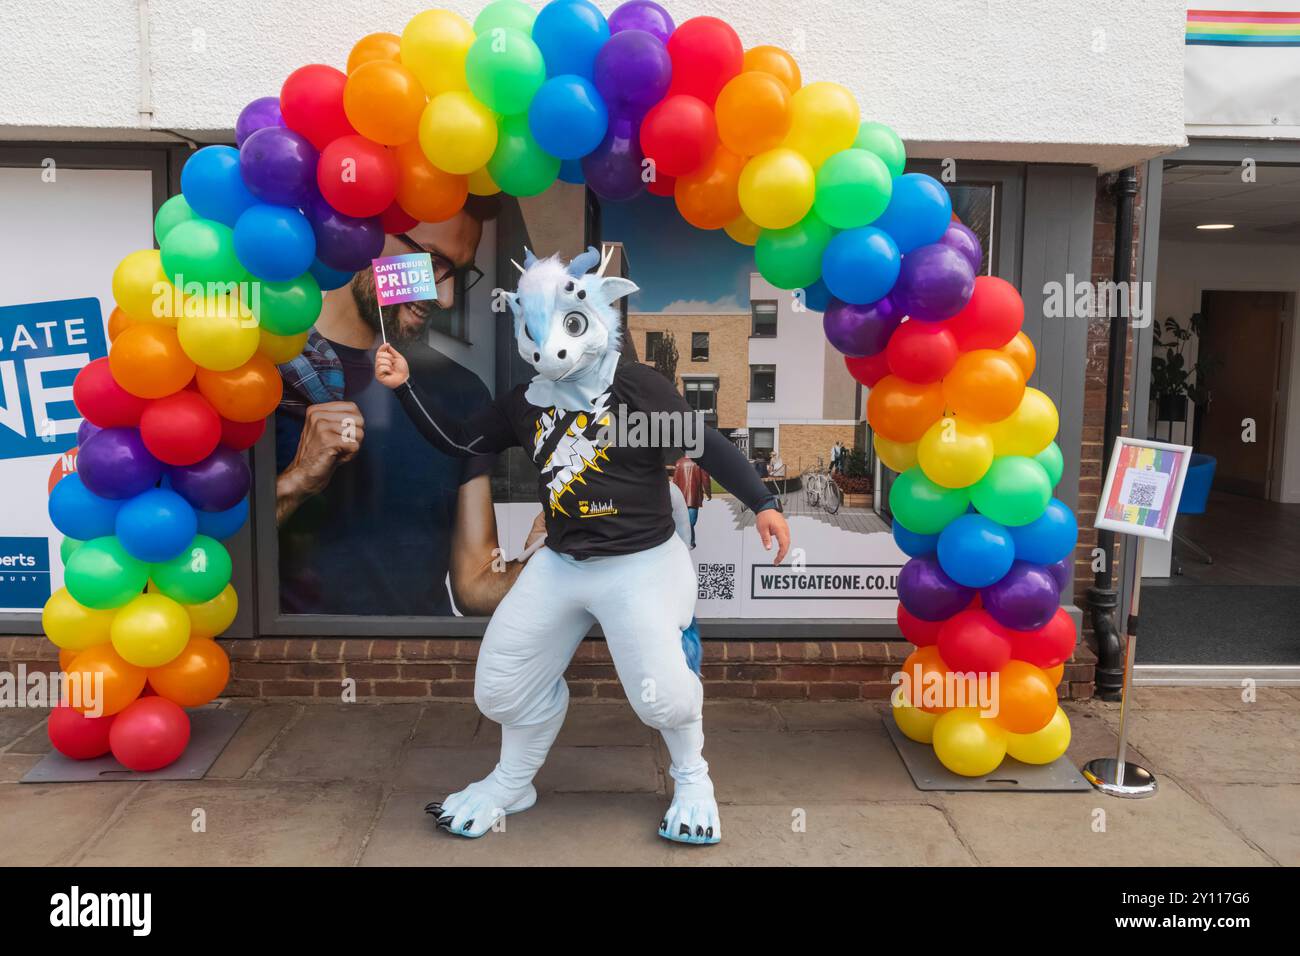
{"points": [[802, 445], [728, 354]]}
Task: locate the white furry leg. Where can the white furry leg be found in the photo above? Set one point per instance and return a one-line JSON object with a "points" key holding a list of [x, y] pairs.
{"points": [[692, 817]]}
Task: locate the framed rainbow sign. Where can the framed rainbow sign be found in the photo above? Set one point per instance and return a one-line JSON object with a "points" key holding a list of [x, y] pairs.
{"points": [[1143, 486], [1243, 28]]}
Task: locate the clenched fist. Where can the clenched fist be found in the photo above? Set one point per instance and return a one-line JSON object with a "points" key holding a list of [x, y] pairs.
{"points": [[391, 368], [331, 434]]}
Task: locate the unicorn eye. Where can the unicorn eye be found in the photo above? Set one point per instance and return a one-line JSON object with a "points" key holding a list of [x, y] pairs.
{"points": [[575, 323]]}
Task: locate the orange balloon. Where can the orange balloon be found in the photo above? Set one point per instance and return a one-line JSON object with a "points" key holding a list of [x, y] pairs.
{"points": [[244, 394], [384, 100], [100, 680], [986, 385], [66, 657], [903, 411], [425, 191], [1023, 352], [1055, 674], [925, 673], [147, 360], [195, 676], [376, 46], [1026, 697], [753, 112], [117, 322], [709, 198], [774, 60]]}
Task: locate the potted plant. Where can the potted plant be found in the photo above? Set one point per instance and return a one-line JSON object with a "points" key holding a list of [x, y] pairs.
{"points": [[854, 478], [1173, 381]]}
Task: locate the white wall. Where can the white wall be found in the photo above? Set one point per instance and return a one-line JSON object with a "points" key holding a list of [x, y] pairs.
{"points": [[1095, 81]]}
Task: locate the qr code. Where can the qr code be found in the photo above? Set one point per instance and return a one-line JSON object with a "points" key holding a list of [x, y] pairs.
{"points": [[717, 582], [1143, 494]]}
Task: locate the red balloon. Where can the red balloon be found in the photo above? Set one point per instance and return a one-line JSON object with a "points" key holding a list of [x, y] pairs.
{"points": [[869, 369], [662, 186], [75, 735], [99, 398], [241, 435], [706, 53], [180, 429], [357, 176], [149, 734], [919, 632], [311, 102], [921, 352], [991, 318], [679, 134], [972, 641], [395, 219], [1049, 645]]}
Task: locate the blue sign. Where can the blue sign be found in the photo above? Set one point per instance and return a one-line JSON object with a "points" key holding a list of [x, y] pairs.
{"points": [[42, 347], [24, 572]]}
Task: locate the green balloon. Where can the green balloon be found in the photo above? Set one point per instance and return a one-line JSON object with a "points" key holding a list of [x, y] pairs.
{"points": [[284, 308], [519, 166], [504, 68], [853, 189], [197, 574], [170, 214], [200, 250], [791, 258], [505, 15], [923, 507], [101, 575], [1053, 462], [68, 548], [884, 142], [1014, 491]]}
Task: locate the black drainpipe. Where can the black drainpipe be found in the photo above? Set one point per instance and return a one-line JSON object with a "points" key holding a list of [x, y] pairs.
{"points": [[1103, 597]]}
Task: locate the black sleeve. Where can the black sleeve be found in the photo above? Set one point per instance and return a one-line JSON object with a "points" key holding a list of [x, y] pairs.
{"points": [[485, 432]]}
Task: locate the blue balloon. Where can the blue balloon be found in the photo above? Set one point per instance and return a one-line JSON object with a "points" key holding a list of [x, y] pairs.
{"points": [[223, 524], [817, 297], [975, 551], [156, 525], [213, 186], [860, 265], [328, 278], [568, 117], [275, 243], [912, 544], [570, 33], [1049, 537], [571, 172], [79, 513], [919, 212]]}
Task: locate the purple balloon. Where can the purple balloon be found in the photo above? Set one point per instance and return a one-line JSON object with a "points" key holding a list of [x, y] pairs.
{"points": [[344, 243], [115, 464], [928, 593], [963, 239], [258, 114], [935, 283], [632, 73], [642, 15], [86, 431], [861, 330], [1024, 599], [279, 166], [613, 169], [216, 483], [1061, 573]]}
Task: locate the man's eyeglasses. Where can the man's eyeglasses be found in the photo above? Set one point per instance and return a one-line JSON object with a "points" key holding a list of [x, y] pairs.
{"points": [[466, 276]]}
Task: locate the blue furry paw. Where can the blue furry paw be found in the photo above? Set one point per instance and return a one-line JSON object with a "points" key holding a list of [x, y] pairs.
{"points": [[475, 810], [692, 819]]}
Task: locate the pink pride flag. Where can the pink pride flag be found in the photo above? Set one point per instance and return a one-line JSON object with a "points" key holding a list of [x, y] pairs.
{"points": [[404, 278]]}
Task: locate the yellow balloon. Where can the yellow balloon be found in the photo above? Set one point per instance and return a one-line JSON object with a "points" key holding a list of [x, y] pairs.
{"points": [[149, 630], [217, 332], [1042, 746], [777, 188], [823, 120], [481, 183], [915, 723], [743, 230], [433, 47], [955, 452], [1029, 429], [281, 348], [212, 617], [73, 626], [138, 283], [457, 132], [898, 456], [968, 744]]}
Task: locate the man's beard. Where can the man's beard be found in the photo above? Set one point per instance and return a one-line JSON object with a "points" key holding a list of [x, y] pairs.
{"points": [[362, 287]]}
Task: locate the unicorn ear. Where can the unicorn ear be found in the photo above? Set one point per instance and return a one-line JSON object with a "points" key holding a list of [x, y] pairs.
{"points": [[584, 263], [529, 258], [613, 288]]}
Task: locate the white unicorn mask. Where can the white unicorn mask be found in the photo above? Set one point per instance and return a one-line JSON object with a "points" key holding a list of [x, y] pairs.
{"points": [[567, 328]]}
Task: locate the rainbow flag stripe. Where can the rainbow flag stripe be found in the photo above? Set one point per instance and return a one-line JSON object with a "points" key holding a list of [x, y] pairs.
{"points": [[1242, 28]]}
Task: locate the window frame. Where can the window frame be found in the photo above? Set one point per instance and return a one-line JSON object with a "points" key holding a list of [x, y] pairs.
{"points": [[753, 368]]}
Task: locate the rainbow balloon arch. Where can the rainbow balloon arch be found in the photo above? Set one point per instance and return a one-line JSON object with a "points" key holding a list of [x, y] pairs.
{"points": [[520, 98]]}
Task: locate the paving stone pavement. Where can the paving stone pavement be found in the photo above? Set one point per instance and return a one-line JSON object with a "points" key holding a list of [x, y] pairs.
{"points": [[800, 783]]}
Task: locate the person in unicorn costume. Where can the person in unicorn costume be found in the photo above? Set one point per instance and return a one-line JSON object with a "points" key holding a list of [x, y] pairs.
{"points": [[612, 552]]}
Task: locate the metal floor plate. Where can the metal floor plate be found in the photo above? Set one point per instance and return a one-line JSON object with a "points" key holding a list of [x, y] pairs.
{"points": [[211, 728], [929, 774]]}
